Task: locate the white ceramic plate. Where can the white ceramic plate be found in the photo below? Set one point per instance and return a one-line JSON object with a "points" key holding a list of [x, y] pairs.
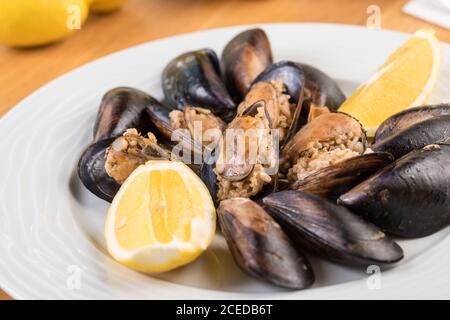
{"points": [[51, 227]]}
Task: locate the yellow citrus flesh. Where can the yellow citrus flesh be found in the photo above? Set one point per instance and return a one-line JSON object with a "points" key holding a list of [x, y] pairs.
{"points": [[28, 23], [405, 80], [103, 6], [162, 217]]}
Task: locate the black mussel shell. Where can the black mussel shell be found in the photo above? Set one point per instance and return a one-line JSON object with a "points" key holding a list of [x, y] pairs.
{"points": [[290, 73], [209, 178], [260, 247], [121, 109], [415, 136], [332, 181], [409, 117], [194, 79], [92, 173], [159, 116], [329, 230], [323, 90], [243, 59], [410, 197]]}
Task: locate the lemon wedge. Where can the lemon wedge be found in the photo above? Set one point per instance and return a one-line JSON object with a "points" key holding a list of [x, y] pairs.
{"points": [[162, 217], [404, 81]]}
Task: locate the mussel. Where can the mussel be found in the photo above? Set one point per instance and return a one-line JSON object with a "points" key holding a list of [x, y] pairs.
{"points": [[264, 120], [129, 151], [120, 109], [194, 79], [290, 74], [409, 117], [321, 89], [247, 153], [92, 173], [203, 126], [410, 197], [189, 125], [327, 139], [243, 59], [334, 180], [260, 247], [273, 99], [415, 136], [329, 230]]}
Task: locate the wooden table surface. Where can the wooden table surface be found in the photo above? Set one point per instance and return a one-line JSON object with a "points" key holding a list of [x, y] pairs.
{"points": [[24, 71]]}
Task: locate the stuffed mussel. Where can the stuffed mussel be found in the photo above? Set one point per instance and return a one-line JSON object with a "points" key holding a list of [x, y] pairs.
{"points": [[415, 136], [409, 117], [260, 247], [322, 90], [120, 109], [194, 79], [244, 58], [328, 139], [410, 197], [329, 230], [248, 155]]}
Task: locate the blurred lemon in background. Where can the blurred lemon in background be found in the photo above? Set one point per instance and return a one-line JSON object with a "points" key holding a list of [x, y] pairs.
{"points": [[28, 23], [102, 6]]}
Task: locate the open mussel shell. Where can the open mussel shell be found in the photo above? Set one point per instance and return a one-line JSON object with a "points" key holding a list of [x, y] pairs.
{"points": [[322, 89], [92, 173], [415, 136], [329, 230], [194, 79], [243, 59], [290, 73], [409, 117], [332, 181], [171, 136], [120, 109], [260, 247], [326, 127], [408, 198]]}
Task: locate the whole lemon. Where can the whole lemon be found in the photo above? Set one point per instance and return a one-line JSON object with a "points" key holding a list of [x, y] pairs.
{"points": [[25, 23], [103, 6]]}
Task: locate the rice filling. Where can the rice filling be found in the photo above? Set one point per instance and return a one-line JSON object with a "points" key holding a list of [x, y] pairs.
{"points": [[325, 153]]}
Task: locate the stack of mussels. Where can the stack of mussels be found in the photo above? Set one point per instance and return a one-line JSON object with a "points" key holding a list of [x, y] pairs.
{"points": [[333, 194]]}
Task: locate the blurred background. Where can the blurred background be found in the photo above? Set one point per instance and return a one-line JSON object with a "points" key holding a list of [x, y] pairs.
{"points": [[35, 46]]}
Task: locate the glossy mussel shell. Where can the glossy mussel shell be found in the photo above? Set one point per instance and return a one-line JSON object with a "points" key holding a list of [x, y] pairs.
{"points": [[290, 74], [322, 89], [329, 230], [92, 173], [415, 136], [121, 109], [243, 59], [332, 181], [194, 79], [409, 117], [408, 198], [260, 247]]}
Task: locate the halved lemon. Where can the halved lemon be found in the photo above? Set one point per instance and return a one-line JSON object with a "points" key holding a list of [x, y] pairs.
{"points": [[405, 80], [162, 217]]}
